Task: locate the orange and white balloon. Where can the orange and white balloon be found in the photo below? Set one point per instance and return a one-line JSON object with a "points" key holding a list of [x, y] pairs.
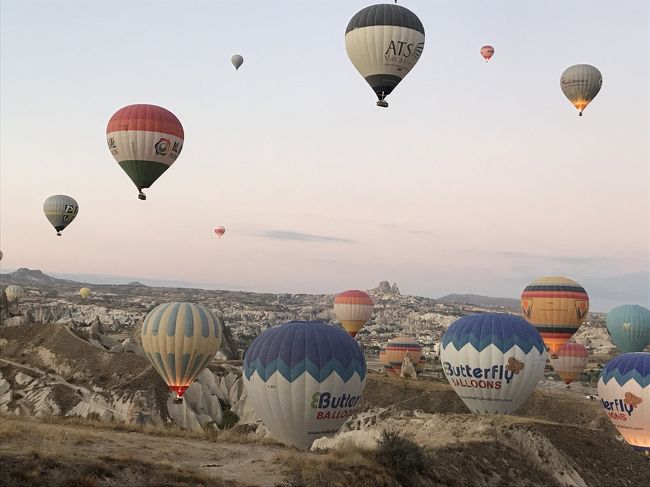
{"points": [[353, 309], [570, 361]]}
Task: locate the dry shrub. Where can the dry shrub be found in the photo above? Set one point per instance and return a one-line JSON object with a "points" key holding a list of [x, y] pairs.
{"points": [[404, 458]]}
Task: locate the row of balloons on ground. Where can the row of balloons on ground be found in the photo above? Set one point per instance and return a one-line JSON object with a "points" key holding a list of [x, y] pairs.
{"points": [[556, 306], [383, 42], [305, 379]]}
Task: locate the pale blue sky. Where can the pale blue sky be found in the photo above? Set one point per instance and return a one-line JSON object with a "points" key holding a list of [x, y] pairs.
{"points": [[478, 178]]}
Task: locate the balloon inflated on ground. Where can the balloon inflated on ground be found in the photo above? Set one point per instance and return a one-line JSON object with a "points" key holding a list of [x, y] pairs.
{"points": [[628, 327], [624, 391], [493, 361], [180, 340], [60, 210], [384, 42], [14, 292], [304, 380], [570, 361], [394, 352], [580, 84], [145, 140], [556, 306], [353, 308]]}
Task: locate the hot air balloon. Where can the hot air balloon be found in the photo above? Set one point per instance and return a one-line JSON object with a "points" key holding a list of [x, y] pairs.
{"points": [[1, 254], [353, 309], [145, 140], [493, 361], [237, 60], [84, 292], [14, 292], [629, 327], [180, 340], [220, 231], [487, 52], [624, 391], [304, 380], [556, 306], [60, 210], [580, 84], [394, 353], [384, 42], [570, 362]]}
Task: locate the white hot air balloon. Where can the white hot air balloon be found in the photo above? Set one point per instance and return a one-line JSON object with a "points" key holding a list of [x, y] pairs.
{"points": [[14, 292], [493, 361], [304, 380], [384, 42]]}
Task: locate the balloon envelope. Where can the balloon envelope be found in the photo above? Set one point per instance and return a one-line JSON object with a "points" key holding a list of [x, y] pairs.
{"points": [[304, 380], [570, 361], [219, 231], [60, 210], [629, 327], [180, 340], [556, 306], [384, 42], [395, 351], [84, 292], [237, 60], [624, 391], [353, 309], [14, 292], [493, 361], [487, 52], [145, 140], [580, 84]]}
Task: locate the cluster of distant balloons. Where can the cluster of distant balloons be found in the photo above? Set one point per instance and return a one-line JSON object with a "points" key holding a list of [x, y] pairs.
{"points": [[305, 379]]}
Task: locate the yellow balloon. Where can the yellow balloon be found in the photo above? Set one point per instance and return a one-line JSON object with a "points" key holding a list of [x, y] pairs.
{"points": [[84, 292]]}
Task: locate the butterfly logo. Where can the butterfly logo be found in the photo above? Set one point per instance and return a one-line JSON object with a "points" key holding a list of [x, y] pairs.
{"points": [[514, 365], [632, 400]]}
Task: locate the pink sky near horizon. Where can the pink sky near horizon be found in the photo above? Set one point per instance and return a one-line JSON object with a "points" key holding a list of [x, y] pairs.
{"points": [[478, 177]]}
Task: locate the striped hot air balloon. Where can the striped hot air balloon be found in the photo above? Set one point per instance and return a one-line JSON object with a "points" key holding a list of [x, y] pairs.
{"points": [[580, 84], [304, 380], [180, 340], [624, 391], [493, 361], [570, 361], [556, 306], [394, 353], [353, 309], [60, 210], [384, 42], [14, 292], [145, 140]]}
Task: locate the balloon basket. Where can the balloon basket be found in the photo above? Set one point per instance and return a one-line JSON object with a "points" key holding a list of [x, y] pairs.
{"points": [[382, 103], [178, 400]]}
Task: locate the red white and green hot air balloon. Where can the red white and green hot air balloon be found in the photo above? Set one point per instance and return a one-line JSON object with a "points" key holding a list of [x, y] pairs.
{"points": [[219, 231], [353, 309], [145, 140]]}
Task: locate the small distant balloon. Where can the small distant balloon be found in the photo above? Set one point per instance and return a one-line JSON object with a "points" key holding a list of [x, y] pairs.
{"points": [[487, 52], [237, 60], [570, 361], [84, 292], [580, 84], [629, 327], [60, 210], [14, 292], [219, 231]]}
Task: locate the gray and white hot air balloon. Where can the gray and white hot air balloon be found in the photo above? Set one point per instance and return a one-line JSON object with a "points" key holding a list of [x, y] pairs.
{"points": [[580, 84], [60, 210], [14, 292], [384, 42], [237, 60]]}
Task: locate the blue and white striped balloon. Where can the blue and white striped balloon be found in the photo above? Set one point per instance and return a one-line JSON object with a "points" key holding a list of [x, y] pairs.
{"points": [[493, 361], [304, 380], [180, 340]]}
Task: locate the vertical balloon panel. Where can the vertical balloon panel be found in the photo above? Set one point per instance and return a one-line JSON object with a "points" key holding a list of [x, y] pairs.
{"points": [[624, 391]]}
